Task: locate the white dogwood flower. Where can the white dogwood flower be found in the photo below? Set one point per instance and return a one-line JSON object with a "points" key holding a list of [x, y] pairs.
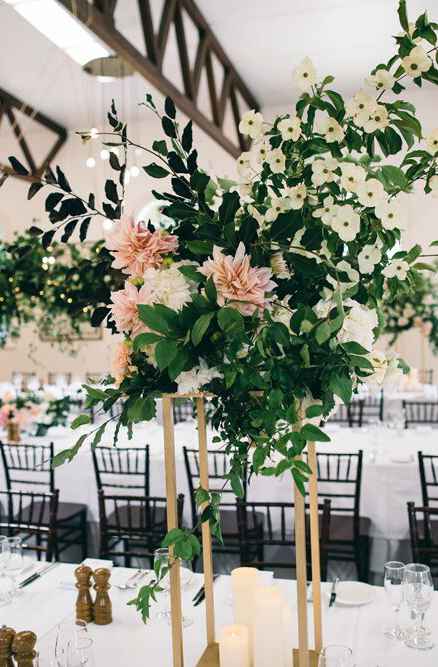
{"points": [[433, 184], [432, 142], [278, 205], [290, 128], [360, 107], [243, 163], [371, 192], [352, 176], [381, 80], [323, 171], [346, 222], [305, 75], [251, 124], [326, 212], [368, 257], [331, 130], [397, 269], [262, 151], [358, 325], [277, 160], [296, 196], [417, 62], [391, 213], [378, 120]]}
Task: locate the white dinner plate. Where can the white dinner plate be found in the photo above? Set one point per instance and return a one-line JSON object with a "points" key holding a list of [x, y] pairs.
{"points": [[354, 593], [402, 459]]}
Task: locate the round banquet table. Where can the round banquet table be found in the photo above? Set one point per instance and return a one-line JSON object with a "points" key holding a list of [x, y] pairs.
{"points": [[390, 474]]}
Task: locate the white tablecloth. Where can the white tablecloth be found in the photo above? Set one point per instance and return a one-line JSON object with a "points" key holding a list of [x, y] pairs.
{"points": [[127, 641], [390, 474]]}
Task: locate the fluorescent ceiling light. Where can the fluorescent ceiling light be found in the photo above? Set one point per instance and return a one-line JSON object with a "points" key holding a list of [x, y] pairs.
{"points": [[62, 28]]}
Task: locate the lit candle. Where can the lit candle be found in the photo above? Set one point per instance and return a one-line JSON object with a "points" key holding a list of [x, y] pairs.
{"points": [[268, 627], [234, 646]]}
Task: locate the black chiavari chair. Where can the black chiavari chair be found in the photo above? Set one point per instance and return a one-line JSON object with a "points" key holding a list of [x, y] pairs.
{"points": [[420, 412], [340, 480], [53, 378], [351, 414], [428, 467], [183, 410], [133, 526], [266, 534], [31, 466], [31, 516], [218, 467], [125, 472], [424, 536], [373, 407], [426, 375]]}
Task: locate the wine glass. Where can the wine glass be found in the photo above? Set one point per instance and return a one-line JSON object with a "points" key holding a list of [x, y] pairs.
{"points": [[14, 563], [336, 656], [393, 580], [6, 583], [418, 591], [73, 644], [162, 561]]}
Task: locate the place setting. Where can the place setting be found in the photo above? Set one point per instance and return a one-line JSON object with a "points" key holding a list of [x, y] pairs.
{"points": [[218, 334]]}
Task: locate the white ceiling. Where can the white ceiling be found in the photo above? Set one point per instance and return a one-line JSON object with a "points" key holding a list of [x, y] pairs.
{"points": [[264, 39]]}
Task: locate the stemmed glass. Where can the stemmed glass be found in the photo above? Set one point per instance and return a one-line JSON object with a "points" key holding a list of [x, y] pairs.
{"points": [[418, 591], [14, 563], [336, 656], [162, 560], [393, 583]]}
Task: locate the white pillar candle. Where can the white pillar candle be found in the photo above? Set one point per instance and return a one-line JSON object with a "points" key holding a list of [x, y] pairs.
{"points": [[268, 627], [243, 585], [289, 626], [234, 646]]}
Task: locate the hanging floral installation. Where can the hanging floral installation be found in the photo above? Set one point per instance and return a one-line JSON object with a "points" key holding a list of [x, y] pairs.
{"points": [[57, 288], [265, 292], [415, 308]]}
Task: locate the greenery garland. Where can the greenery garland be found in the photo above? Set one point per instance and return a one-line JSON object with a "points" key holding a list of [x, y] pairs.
{"points": [[57, 287], [268, 297]]}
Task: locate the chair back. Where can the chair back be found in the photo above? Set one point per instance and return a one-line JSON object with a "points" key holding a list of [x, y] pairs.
{"points": [[428, 467], [135, 517], [424, 547], [420, 412], [54, 378], [351, 414], [30, 514], [426, 375], [218, 468], [28, 464], [122, 468], [270, 524], [372, 408], [340, 480], [183, 410]]}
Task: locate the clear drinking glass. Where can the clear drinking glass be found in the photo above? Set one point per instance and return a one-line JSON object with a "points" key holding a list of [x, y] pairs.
{"points": [[418, 591], [336, 656], [73, 644], [7, 585], [393, 582], [14, 563], [162, 557]]}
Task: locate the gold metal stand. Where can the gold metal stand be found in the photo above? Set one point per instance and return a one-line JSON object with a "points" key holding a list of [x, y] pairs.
{"points": [[303, 656]]}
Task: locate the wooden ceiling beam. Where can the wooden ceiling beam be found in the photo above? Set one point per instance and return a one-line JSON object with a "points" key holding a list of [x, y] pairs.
{"points": [[150, 64]]}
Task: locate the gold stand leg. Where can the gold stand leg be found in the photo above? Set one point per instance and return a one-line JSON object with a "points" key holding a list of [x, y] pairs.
{"points": [[172, 522], [301, 560], [206, 533], [314, 545]]}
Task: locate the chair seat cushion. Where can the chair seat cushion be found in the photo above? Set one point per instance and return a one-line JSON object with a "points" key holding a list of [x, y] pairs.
{"points": [[134, 518], [342, 528], [66, 512]]}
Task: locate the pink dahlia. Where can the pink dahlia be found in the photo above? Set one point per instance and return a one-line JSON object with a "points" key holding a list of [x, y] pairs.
{"points": [[121, 362], [135, 248], [239, 284], [125, 310]]}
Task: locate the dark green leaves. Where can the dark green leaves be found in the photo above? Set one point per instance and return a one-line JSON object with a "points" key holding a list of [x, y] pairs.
{"points": [[403, 15], [111, 191], [342, 386], [314, 434], [18, 167], [156, 171], [200, 327], [145, 339], [230, 321], [53, 200], [34, 189], [169, 107], [80, 420], [187, 137], [159, 318], [165, 352], [168, 127]]}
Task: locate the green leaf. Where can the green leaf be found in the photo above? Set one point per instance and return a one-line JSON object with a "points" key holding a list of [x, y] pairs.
{"points": [[230, 321], [413, 253], [202, 496], [156, 318], [314, 434], [323, 332], [354, 348], [145, 339], [191, 273], [180, 363], [211, 291], [200, 327], [342, 386], [403, 15], [422, 266], [53, 200], [34, 188], [172, 536], [111, 191], [169, 107], [200, 247], [361, 362], [165, 353], [141, 409], [160, 147], [80, 420], [168, 127], [394, 176], [236, 485], [187, 137], [314, 411], [18, 167], [156, 171]]}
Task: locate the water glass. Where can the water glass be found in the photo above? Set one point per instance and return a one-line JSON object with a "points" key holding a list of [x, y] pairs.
{"points": [[162, 558], [14, 562], [418, 592], [393, 582], [336, 656], [73, 644]]}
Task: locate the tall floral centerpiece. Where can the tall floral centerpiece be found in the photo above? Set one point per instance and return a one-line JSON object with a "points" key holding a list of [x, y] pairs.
{"points": [[264, 292]]}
